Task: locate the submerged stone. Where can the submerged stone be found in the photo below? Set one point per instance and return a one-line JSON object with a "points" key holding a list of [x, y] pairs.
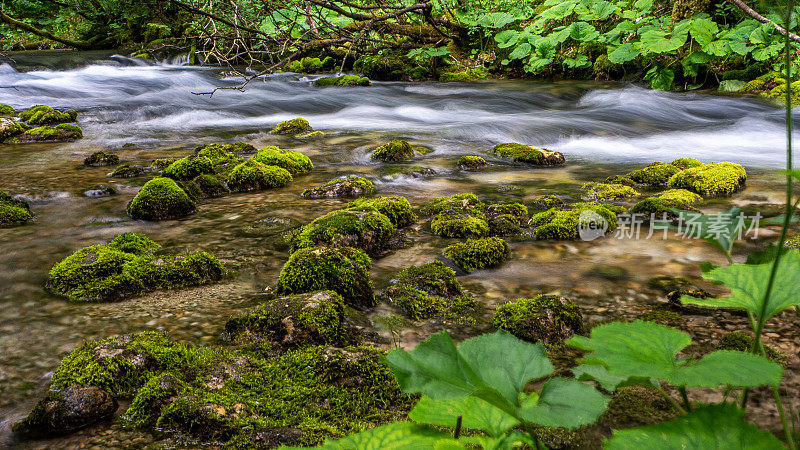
{"points": [[476, 254], [395, 207], [12, 211], [344, 80], [126, 171], [99, 190], [66, 410], [253, 176], [343, 187], [368, 230], [723, 178], [528, 154], [294, 162], [98, 159], [344, 270], [549, 319], [46, 115], [210, 186], [294, 126], [160, 199], [471, 162]]}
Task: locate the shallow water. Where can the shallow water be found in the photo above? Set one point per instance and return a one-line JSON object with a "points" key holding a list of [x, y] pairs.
{"points": [[142, 111]]}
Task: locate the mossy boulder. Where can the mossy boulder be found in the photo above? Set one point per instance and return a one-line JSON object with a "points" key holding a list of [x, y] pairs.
{"points": [[344, 270], [607, 191], [222, 155], [12, 211], [460, 224], [126, 267], [188, 168], [160, 199], [210, 186], [466, 75], [472, 163], [98, 159], [393, 151], [549, 319], [295, 162], [723, 178], [395, 207], [307, 64], [99, 190], [685, 163], [654, 174], [60, 133], [547, 201], [66, 410], [368, 230], [294, 126], [254, 176], [563, 223], [344, 80], [161, 163], [7, 110], [315, 318], [528, 154], [126, 171], [9, 128], [662, 204], [429, 290], [476, 254], [342, 187], [453, 203], [637, 406], [507, 219], [620, 179], [46, 115]]}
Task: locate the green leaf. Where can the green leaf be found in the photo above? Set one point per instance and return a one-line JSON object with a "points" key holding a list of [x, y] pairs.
{"points": [[609, 382], [720, 229], [747, 283], [560, 11], [765, 53], [622, 54], [660, 79], [507, 38], [566, 403], [762, 35], [648, 350], [656, 41], [582, 31], [719, 426], [703, 30], [719, 48], [521, 51], [476, 414], [579, 62], [496, 20], [397, 435]]}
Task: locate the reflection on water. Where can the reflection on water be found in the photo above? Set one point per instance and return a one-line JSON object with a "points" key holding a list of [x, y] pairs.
{"points": [[143, 112]]}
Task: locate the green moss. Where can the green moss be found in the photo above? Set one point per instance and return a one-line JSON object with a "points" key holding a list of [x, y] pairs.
{"points": [[476, 254], [528, 154], [655, 174], [162, 163], [664, 316], [224, 154], [754, 85], [685, 163], [188, 168], [548, 201], [97, 159], [294, 321], [475, 74], [547, 318], [505, 225], [343, 187], [619, 179], [344, 80], [7, 110], [607, 191], [393, 151], [636, 406], [395, 207], [471, 162], [793, 242], [456, 203], [126, 171], [744, 343], [558, 223], [13, 212], [517, 210], [294, 162], [430, 290], [210, 186], [665, 202], [9, 129], [344, 270], [60, 133], [294, 126], [602, 64], [305, 65], [461, 225], [152, 397], [160, 199], [368, 230], [45, 115], [253, 176], [711, 179], [126, 267], [310, 135]]}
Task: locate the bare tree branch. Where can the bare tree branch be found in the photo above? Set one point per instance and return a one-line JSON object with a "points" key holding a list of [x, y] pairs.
{"points": [[752, 13]]}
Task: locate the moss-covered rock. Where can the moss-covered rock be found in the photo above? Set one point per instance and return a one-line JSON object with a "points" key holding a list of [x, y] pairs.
{"points": [[45, 115], [344, 80], [99, 190], [7, 110], [126, 171], [344, 270], [471, 163], [294, 126], [12, 211], [126, 267], [620, 179], [60, 133], [395, 207], [393, 151], [368, 230], [528, 154], [547, 201], [453, 203], [66, 410], [460, 224], [98, 159], [744, 343], [662, 204], [294, 162], [315, 318], [162, 163], [10, 128], [507, 219], [306, 64], [160, 199], [466, 75], [711, 179], [476, 254], [253, 176], [549, 319], [685, 163], [560, 223], [224, 155], [607, 191], [342, 187], [430, 290], [636, 406], [188, 168], [210, 186], [654, 174]]}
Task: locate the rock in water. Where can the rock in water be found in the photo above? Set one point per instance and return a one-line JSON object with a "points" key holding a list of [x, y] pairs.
{"points": [[67, 410]]}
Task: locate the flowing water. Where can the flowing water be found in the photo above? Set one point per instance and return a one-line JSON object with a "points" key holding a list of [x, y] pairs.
{"points": [[142, 111]]}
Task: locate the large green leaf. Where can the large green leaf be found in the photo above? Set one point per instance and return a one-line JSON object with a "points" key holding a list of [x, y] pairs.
{"points": [[703, 30], [720, 229], [475, 414], [582, 31], [649, 350], [397, 435], [496, 20], [660, 79], [566, 403], [624, 53], [719, 426], [747, 283]]}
